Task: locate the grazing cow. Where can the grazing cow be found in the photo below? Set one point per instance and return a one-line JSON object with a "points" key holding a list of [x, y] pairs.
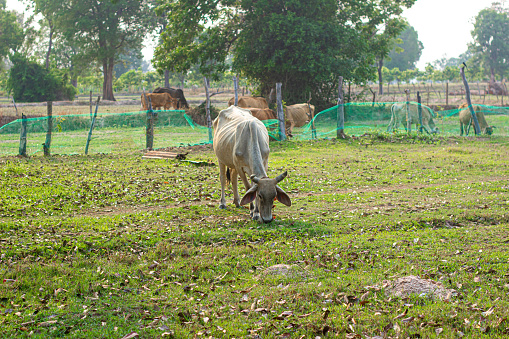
{"points": [[175, 93], [297, 116], [398, 115], [466, 120], [241, 144], [250, 102], [263, 114], [159, 100]]}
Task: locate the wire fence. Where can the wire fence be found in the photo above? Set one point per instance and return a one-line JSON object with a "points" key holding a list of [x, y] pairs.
{"points": [[120, 132]]}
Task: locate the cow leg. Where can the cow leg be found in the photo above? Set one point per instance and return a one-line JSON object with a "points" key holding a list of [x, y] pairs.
{"points": [[222, 177], [253, 207], [234, 179], [461, 129]]}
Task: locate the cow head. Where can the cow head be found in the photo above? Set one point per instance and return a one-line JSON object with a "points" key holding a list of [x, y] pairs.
{"points": [[433, 128], [489, 130], [263, 192]]}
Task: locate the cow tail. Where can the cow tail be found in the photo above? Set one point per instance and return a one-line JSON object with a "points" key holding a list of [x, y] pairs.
{"points": [[228, 176]]}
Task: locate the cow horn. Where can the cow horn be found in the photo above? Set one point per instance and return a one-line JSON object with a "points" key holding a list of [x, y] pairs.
{"points": [[254, 178], [281, 176]]}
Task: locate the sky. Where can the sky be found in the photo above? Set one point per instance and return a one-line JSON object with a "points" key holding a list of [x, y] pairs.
{"points": [[443, 26]]}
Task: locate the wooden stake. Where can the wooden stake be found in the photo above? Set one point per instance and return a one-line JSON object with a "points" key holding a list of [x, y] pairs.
{"points": [[419, 110], [23, 136], [207, 108], [469, 102], [236, 89], [92, 124], [447, 93], [341, 111], [47, 143], [280, 112], [149, 130], [408, 116]]}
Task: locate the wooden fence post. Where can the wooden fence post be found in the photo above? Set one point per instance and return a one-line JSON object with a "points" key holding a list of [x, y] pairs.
{"points": [[23, 136], [207, 107], [447, 93], [90, 104], [236, 90], [92, 124], [47, 144], [312, 117], [280, 112], [340, 128], [149, 130], [419, 110], [408, 116], [469, 102]]}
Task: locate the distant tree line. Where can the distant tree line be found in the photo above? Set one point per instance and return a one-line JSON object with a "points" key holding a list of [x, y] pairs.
{"points": [[305, 45]]}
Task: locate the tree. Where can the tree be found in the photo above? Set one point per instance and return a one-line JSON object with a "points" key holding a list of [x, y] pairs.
{"points": [[49, 9], [51, 85], [406, 53], [384, 43], [11, 32], [302, 44], [491, 41], [104, 30]]}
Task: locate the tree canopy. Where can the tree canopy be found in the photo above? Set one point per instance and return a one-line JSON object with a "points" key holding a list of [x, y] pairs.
{"points": [[11, 32], [491, 40], [98, 31], [305, 45], [407, 52]]}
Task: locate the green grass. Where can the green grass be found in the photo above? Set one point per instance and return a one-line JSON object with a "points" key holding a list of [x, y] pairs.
{"points": [[105, 245]]}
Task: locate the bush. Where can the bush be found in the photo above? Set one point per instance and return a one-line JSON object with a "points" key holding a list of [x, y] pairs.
{"points": [[199, 115], [30, 82]]}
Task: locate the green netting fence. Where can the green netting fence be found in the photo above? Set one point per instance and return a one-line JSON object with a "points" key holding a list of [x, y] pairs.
{"points": [[361, 118], [114, 132]]}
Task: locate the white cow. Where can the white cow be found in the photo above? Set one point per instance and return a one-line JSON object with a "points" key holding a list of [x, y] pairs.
{"points": [[398, 115], [241, 144]]}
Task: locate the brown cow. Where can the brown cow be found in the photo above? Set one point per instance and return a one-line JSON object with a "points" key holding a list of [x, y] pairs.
{"points": [[175, 93], [159, 100], [297, 116], [466, 119], [263, 114], [250, 102]]}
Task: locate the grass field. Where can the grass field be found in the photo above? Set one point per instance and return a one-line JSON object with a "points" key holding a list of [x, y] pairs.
{"points": [[107, 245]]}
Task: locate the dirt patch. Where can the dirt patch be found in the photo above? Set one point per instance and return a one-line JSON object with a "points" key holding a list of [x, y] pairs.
{"points": [[195, 149], [412, 285], [283, 271]]}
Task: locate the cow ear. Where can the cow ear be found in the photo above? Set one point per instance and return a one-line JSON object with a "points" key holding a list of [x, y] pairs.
{"points": [[249, 196], [282, 197]]}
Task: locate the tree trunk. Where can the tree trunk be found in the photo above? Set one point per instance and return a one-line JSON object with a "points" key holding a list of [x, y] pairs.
{"points": [[167, 79], [108, 64], [182, 79], [380, 83], [492, 76], [50, 43]]}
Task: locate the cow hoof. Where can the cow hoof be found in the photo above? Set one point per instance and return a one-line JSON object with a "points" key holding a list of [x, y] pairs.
{"points": [[256, 217], [223, 207]]}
